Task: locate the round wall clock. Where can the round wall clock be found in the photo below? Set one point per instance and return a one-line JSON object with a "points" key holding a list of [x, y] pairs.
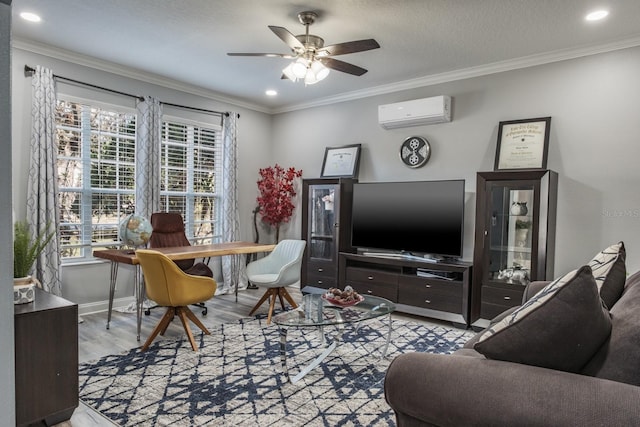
{"points": [[415, 151]]}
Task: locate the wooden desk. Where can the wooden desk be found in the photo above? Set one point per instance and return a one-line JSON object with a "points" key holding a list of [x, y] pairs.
{"points": [[118, 256]]}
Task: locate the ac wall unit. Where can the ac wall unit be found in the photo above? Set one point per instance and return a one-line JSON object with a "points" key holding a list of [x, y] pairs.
{"points": [[426, 111]]}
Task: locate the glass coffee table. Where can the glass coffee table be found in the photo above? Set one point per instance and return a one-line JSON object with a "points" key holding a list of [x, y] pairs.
{"points": [[317, 313]]}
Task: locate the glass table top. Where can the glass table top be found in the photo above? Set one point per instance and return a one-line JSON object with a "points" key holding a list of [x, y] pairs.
{"points": [[315, 311]]}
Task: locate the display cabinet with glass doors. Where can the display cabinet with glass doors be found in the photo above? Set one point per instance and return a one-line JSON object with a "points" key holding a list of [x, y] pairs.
{"points": [[326, 226], [514, 238]]}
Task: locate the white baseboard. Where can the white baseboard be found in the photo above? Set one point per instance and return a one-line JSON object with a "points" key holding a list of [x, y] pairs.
{"points": [[100, 306]]}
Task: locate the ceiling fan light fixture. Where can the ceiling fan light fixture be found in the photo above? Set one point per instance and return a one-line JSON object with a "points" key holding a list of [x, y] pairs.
{"points": [[311, 58], [288, 71], [320, 71], [310, 79], [299, 68]]}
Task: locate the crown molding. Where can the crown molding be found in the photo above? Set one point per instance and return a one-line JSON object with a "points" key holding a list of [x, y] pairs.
{"points": [[466, 73], [132, 73]]}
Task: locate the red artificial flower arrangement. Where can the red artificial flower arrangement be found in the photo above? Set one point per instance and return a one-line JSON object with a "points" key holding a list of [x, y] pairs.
{"points": [[277, 191]]}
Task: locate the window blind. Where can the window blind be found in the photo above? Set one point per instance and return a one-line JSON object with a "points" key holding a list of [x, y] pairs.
{"points": [[190, 164], [96, 175]]}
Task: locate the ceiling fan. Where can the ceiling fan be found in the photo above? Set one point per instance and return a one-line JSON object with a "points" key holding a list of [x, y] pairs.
{"points": [[312, 59]]}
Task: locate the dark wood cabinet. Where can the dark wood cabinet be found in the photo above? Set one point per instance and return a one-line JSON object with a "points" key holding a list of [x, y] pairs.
{"points": [[326, 226], [372, 281], [514, 238], [46, 360], [433, 294], [438, 290]]}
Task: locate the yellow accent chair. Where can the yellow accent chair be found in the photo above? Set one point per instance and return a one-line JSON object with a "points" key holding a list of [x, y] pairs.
{"points": [[171, 287], [275, 271], [168, 231]]}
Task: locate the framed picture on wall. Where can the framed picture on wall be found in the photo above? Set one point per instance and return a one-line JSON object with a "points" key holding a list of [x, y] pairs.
{"points": [[523, 144], [341, 162]]}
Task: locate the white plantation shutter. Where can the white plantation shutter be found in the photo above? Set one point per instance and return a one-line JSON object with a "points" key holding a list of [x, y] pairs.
{"points": [[96, 175], [190, 164]]}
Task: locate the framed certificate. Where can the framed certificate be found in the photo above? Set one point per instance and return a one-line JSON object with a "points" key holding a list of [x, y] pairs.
{"points": [[341, 162], [523, 144]]}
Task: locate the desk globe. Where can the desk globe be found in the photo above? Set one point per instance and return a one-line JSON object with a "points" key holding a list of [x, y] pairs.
{"points": [[135, 230]]}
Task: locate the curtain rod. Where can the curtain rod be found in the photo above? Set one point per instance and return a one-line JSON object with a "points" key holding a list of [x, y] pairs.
{"points": [[28, 71], [202, 110]]}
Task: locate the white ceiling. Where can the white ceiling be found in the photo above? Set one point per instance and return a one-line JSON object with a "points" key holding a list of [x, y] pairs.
{"points": [[422, 41]]}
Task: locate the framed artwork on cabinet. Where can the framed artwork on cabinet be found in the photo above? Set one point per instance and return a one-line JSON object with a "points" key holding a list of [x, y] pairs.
{"points": [[523, 144], [341, 162]]}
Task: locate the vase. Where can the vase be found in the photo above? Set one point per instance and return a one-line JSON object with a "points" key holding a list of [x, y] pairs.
{"points": [[519, 208], [23, 290]]}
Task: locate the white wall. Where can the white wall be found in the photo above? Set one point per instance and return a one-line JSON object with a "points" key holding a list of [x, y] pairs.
{"points": [[88, 284], [7, 387], [594, 143]]}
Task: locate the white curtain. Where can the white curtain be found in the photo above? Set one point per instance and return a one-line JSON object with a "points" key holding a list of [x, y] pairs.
{"points": [[148, 131], [230, 221], [42, 187]]}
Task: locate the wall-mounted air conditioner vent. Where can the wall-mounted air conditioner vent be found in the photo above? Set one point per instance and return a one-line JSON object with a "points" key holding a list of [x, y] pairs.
{"points": [[417, 112]]}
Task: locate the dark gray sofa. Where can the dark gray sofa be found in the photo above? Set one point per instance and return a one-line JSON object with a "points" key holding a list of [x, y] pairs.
{"points": [[467, 389]]}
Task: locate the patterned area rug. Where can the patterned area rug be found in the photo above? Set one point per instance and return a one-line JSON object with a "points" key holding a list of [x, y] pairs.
{"points": [[236, 378]]}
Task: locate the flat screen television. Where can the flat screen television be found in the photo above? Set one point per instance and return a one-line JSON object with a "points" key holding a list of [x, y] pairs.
{"points": [[412, 218]]}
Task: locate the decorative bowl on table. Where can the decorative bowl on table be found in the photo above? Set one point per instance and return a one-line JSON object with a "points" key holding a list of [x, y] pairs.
{"points": [[346, 298]]}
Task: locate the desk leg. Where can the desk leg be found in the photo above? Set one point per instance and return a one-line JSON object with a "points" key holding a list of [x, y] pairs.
{"points": [[235, 274], [112, 288], [138, 284]]}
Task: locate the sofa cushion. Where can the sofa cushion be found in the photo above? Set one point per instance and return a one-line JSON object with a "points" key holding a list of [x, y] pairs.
{"points": [[561, 327], [609, 270], [619, 357]]}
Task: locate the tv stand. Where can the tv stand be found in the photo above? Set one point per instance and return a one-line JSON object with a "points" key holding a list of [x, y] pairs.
{"points": [[441, 290]]}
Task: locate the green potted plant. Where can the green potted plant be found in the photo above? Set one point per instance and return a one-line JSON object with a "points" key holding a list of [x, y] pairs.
{"points": [[26, 249]]}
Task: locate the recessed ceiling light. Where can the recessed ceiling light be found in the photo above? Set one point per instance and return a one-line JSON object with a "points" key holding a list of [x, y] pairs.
{"points": [[271, 92], [31, 17], [597, 15]]}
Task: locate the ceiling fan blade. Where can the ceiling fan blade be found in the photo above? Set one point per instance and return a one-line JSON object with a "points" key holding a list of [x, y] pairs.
{"points": [[345, 67], [349, 47], [287, 37], [271, 55]]}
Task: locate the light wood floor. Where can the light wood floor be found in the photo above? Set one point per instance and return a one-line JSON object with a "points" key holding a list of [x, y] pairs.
{"points": [[96, 341]]}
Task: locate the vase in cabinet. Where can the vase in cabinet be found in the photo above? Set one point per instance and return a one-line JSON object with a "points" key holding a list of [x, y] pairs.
{"points": [[514, 238], [326, 226]]}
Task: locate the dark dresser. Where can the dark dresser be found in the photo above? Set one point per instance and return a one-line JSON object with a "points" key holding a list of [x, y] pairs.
{"points": [[46, 360]]}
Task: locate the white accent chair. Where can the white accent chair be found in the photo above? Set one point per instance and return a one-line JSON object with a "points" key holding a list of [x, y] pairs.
{"points": [[275, 271]]}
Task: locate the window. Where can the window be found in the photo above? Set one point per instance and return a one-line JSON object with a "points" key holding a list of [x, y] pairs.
{"points": [[97, 181], [190, 162], [96, 175]]}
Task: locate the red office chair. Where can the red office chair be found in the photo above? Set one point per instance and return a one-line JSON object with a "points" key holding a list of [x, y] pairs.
{"points": [[168, 231]]}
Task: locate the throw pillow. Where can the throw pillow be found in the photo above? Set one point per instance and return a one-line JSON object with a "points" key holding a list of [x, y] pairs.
{"points": [[610, 273], [561, 327]]}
